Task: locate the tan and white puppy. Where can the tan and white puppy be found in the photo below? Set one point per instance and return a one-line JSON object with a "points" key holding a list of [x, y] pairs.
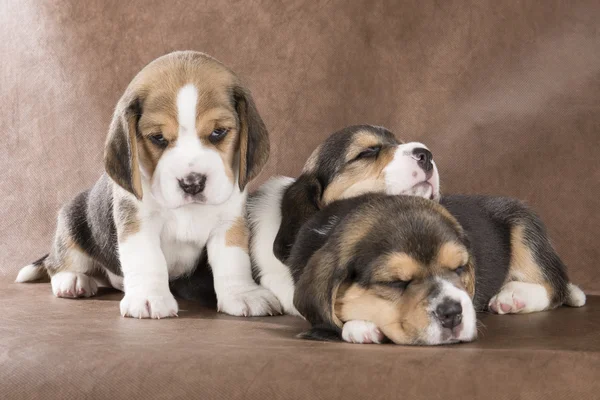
{"points": [[185, 140], [416, 271], [355, 160]]}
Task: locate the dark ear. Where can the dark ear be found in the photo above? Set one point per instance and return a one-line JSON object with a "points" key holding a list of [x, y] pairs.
{"points": [[300, 202], [317, 289], [120, 151], [324, 333], [254, 138]]}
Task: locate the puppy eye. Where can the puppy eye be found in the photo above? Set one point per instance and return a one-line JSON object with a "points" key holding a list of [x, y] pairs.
{"points": [[368, 153], [401, 285], [159, 140], [217, 135], [460, 270]]}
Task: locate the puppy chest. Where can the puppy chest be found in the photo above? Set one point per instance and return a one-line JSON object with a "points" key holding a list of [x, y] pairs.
{"points": [[182, 239]]}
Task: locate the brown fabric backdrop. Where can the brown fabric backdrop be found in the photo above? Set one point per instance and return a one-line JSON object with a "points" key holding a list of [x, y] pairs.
{"points": [[506, 94]]}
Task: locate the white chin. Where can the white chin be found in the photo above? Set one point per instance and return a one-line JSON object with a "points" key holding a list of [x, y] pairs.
{"points": [[423, 189]]}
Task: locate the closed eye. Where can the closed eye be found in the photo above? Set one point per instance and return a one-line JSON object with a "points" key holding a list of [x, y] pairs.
{"points": [[398, 284], [369, 152], [460, 270]]}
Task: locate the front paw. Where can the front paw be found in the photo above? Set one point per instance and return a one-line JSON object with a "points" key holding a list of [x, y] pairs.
{"points": [[149, 305], [357, 331], [248, 301]]}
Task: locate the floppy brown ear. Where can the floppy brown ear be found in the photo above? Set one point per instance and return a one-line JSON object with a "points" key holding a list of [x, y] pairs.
{"points": [[254, 137], [316, 292], [300, 202], [120, 151]]}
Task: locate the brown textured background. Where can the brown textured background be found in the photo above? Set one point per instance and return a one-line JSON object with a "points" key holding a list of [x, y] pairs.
{"points": [[505, 93]]}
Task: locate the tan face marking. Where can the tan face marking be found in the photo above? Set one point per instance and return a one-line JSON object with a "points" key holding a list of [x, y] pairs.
{"points": [[159, 84], [403, 318], [452, 255], [400, 266], [221, 118], [237, 235], [360, 176]]}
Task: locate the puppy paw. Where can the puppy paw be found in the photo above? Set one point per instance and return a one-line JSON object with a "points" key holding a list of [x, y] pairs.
{"points": [[71, 285], [149, 305], [358, 331], [520, 298], [248, 301]]}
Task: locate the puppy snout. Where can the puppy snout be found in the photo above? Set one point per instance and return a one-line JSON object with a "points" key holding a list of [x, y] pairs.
{"points": [[193, 184], [423, 157], [449, 312]]}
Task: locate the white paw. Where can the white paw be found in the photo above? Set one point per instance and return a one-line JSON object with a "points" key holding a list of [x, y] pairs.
{"points": [[357, 331], [575, 296], [71, 285], [149, 305], [520, 298], [247, 301]]}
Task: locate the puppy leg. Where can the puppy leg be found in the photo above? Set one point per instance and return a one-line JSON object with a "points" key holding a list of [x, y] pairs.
{"points": [[237, 293], [357, 331], [68, 265], [145, 274], [537, 278], [522, 298]]}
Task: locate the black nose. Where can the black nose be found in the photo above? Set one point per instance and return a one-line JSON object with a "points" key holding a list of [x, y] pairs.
{"points": [[193, 183], [423, 157], [449, 313]]}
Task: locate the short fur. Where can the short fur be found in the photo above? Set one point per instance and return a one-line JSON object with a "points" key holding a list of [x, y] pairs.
{"points": [[332, 289], [355, 160], [185, 140]]}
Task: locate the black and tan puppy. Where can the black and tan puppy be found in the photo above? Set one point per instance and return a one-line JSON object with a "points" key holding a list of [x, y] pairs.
{"points": [[355, 160], [417, 272]]}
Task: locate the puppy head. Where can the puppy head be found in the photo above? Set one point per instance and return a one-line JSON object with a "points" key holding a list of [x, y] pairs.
{"points": [[363, 158], [186, 131], [402, 263], [358, 159]]}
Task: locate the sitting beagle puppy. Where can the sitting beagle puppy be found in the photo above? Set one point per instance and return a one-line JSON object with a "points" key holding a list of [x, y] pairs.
{"points": [[355, 160], [415, 272], [185, 140]]}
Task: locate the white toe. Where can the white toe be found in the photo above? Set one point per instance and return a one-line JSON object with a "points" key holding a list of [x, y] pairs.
{"points": [[520, 298], [72, 285], [248, 301], [357, 331], [155, 305]]}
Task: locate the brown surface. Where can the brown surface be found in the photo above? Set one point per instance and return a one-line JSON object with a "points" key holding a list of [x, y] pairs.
{"points": [[505, 93], [59, 348]]}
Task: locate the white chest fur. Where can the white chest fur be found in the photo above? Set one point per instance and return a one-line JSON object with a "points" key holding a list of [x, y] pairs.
{"points": [[186, 230]]}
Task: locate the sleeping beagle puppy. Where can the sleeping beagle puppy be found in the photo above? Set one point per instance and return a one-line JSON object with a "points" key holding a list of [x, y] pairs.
{"points": [[185, 140], [355, 160], [412, 271]]}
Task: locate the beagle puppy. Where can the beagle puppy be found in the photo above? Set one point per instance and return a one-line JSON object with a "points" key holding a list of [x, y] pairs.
{"points": [[185, 140], [415, 272], [355, 160]]}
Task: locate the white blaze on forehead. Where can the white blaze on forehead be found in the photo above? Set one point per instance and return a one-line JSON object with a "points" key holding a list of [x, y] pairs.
{"points": [[187, 99]]}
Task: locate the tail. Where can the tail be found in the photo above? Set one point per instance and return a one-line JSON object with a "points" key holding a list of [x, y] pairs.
{"points": [[575, 296], [33, 272]]}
